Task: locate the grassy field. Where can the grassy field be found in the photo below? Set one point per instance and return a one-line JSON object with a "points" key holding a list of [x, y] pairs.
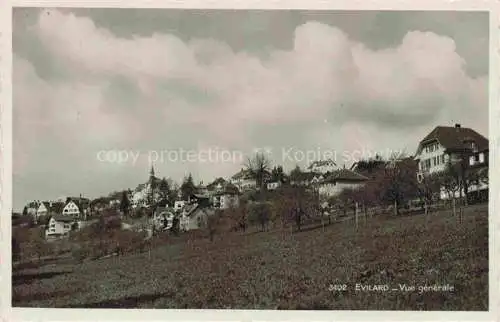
{"points": [[283, 270]]}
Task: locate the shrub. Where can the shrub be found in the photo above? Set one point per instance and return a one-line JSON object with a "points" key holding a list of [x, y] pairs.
{"points": [[259, 213]]}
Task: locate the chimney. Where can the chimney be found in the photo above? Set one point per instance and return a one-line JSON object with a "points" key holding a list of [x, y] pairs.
{"points": [[457, 125]]}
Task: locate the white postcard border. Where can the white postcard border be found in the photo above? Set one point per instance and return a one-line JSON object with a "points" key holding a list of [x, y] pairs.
{"points": [[18, 314]]}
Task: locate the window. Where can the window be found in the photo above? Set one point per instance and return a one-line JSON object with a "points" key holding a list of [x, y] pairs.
{"points": [[442, 158], [426, 164], [476, 157]]}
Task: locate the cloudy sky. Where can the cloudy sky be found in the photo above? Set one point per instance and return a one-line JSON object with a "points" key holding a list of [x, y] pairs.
{"points": [[289, 82]]}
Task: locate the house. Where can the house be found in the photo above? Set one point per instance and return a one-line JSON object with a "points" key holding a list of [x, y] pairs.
{"points": [[447, 144], [46, 208], [32, 207], [98, 205], [322, 166], [226, 198], [339, 180], [217, 184], [83, 205], [146, 192], [43, 209], [244, 180], [201, 189], [179, 204], [302, 178], [195, 217], [163, 218], [60, 226], [203, 200], [369, 168], [71, 209], [273, 185]]}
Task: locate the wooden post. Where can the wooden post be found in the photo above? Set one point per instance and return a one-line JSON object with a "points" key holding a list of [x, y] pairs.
{"points": [[453, 206], [356, 215], [395, 207], [365, 212]]}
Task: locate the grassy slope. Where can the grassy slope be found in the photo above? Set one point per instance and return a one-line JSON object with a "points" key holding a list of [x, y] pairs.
{"points": [[285, 271]]}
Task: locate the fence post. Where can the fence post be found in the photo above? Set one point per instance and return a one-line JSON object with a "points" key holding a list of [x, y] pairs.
{"points": [[356, 215], [365, 210], [454, 207]]}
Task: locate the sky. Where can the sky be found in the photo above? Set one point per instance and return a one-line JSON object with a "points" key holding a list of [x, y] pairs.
{"points": [[101, 94]]}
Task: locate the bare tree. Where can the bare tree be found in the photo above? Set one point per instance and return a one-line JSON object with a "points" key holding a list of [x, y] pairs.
{"points": [[428, 186], [400, 182], [451, 181], [258, 167]]}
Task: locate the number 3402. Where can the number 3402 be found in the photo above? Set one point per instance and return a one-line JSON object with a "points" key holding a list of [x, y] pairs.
{"points": [[337, 287]]}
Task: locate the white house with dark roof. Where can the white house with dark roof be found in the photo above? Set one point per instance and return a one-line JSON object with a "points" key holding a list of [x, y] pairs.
{"points": [[42, 210], [322, 166], [60, 226], [445, 144], [163, 218], [273, 185], [71, 209], [340, 179], [195, 216], [227, 197], [244, 180]]}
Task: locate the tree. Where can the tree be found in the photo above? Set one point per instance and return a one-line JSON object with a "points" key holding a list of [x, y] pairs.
{"points": [[258, 167], [175, 225], [188, 188], [39, 244], [260, 213], [296, 174], [451, 181], [295, 202], [173, 193], [278, 175], [25, 211], [428, 187], [164, 190], [465, 175], [125, 204], [400, 182]]}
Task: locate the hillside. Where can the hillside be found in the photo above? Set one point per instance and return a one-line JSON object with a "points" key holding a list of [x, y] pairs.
{"points": [[280, 270]]}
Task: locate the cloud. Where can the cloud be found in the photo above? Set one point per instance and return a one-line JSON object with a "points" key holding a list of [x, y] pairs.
{"points": [[161, 91]]}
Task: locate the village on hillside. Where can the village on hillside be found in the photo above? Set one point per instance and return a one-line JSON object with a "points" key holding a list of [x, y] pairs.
{"points": [[450, 165], [251, 159]]}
